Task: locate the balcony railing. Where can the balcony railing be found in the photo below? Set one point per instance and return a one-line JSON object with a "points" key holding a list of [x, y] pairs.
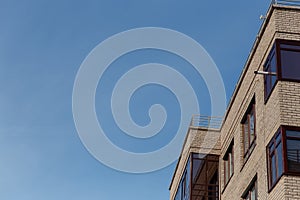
{"points": [[206, 121], [286, 2]]}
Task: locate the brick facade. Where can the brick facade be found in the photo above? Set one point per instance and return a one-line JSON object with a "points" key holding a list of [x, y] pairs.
{"points": [[281, 108]]}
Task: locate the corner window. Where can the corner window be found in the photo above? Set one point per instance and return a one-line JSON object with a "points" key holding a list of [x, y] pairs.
{"points": [[248, 129], [275, 153], [293, 150], [228, 164], [284, 154], [290, 60], [251, 192], [183, 191], [271, 67], [283, 63]]}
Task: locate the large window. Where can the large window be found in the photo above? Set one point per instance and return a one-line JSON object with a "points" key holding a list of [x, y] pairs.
{"points": [[228, 164], [271, 67], [283, 63], [290, 60], [248, 129], [284, 154], [251, 192], [293, 150], [275, 152]]}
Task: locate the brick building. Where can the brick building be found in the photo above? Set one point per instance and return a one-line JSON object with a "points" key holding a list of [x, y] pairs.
{"points": [[253, 152]]}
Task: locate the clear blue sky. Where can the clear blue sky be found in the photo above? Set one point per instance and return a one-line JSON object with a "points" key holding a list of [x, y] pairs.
{"points": [[42, 45]]}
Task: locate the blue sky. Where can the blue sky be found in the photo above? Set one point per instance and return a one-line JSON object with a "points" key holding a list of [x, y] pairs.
{"points": [[42, 45]]}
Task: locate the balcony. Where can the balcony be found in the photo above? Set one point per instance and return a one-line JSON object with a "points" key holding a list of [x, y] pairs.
{"points": [[200, 178], [207, 122]]}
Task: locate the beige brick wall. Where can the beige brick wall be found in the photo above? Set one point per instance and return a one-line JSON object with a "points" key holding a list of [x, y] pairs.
{"points": [[282, 108], [292, 188]]}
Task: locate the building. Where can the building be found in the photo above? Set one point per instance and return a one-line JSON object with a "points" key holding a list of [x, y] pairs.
{"points": [[253, 152]]}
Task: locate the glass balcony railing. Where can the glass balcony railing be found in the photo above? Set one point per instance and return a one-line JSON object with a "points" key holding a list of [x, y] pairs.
{"points": [[206, 121], [200, 178]]}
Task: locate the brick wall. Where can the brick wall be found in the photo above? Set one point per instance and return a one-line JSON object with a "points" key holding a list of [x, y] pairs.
{"points": [[282, 108]]}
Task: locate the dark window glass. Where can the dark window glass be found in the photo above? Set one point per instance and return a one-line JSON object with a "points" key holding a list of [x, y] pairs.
{"points": [[290, 47], [273, 168], [228, 164], [279, 157], [213, 192], [275, 158], [290, 64], [290, 133], [283, 63], [248, 127], [183, 191], [293, 150], [271, 67], [251, 193]]}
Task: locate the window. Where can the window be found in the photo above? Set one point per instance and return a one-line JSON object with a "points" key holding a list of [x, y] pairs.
{"points": [[228, 164], [284, 154], [290, 60], [213, 192], [183, 191], [293, 150], [275, 152], [248, 129], [251, 192], [283, 63], [271, 67]]}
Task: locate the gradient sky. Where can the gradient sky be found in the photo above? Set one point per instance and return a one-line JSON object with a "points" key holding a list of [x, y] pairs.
{"points": [[42, 45]]}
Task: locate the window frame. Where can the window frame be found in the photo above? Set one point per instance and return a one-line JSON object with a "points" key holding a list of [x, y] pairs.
{"points": [[228, 161], [249, 189], [285, 170], [247, 118], [276, 51], [273, 142]]}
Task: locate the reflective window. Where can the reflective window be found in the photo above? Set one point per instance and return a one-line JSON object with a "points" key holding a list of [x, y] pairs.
{"points": [[248, 128], [282, 63], [278, 157], [271, 67], [293, 150], [275, 157], [228, 164]]}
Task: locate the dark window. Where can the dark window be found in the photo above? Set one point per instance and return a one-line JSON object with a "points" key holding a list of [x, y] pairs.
{"points": [[213, 192], [183, 191], [283, 63], [293, 150], [251, 192], [284, 154], [271, 67], [228, 164], [248, 129], [290, 61], [275, 153]]}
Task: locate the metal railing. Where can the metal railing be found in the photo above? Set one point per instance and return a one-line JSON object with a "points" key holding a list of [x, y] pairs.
{"points": [[206, 121], [286, 2]]}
